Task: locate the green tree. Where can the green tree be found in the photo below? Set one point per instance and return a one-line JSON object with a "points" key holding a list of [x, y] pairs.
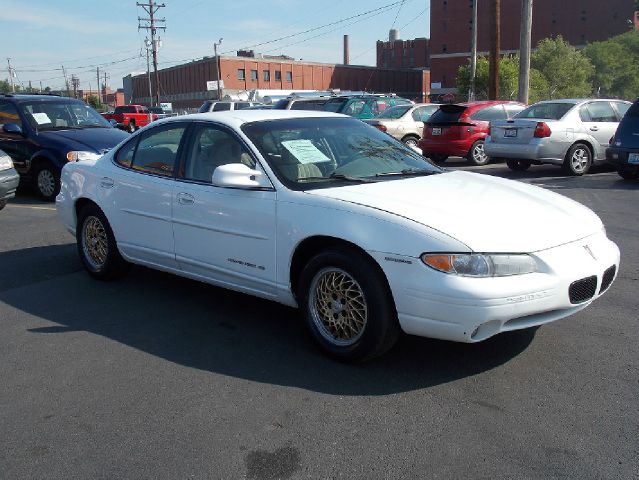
{"points": [[508, 80], [5, 86], [615, 61], [566, 70], [94, 101]]}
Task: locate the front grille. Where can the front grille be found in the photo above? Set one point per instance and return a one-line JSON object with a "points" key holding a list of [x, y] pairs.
{"points": [[583, 289], [608, 276]]}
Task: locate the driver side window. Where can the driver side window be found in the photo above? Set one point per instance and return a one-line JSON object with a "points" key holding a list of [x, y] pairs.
{"points": [[211, 148]]}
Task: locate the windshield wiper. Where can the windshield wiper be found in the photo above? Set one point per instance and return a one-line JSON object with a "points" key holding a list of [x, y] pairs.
{"points": [[340, 176], [407, 172]]}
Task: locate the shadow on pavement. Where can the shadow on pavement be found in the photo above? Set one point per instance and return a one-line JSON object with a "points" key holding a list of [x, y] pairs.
{"points": [[212, 329]]}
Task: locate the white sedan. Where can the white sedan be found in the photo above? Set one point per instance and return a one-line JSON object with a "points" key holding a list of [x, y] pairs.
{"points": [[323, 212]]}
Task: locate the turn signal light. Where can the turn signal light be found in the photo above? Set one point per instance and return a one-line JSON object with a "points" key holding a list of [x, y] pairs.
{"points": [[542, 130], [381, 127]]}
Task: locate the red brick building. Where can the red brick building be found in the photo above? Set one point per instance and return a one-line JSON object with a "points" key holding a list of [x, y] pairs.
{"points": [[185, 86], [578, 21], [396, 53]]}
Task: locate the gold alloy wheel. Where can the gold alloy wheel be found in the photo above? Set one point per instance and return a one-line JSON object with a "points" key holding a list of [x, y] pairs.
{"points": [[95, 243], [338, 306]]}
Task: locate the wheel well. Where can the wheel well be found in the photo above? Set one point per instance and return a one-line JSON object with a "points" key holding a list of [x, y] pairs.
{"points": [[37, 161], [311, 246], [583, 142], [80, 203], [411, 135]]}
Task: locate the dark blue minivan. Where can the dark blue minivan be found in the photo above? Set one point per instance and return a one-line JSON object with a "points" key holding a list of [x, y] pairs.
{"points": [[41, 133], [623, 152]]}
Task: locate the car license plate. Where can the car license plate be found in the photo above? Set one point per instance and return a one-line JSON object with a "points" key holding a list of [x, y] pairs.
{"points": [[633, 158], [437, 131], [510, 132]]}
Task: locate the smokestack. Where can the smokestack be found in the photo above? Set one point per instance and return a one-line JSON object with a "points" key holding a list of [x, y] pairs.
{"points": [[393, 35], [345, 49]]}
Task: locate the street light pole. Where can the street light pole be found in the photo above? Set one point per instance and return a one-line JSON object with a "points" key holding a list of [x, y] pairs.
{"points": [[524, 50], [473, 54], [219, 75]]}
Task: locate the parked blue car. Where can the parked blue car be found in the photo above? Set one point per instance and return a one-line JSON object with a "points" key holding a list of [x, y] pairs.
{"points": [[41, 133], [623, 152]]}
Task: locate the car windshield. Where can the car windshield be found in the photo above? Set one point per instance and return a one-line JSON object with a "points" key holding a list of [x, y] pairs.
{"points": [[62, 115], [394, 113], [546, 111], [308, 153]]}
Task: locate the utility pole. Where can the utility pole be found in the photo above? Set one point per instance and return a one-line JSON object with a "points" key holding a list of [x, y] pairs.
{"points": [[66, 81], [75, 81], [151, 9], [97, 74], [473, 54], [106, 97], [495, 50], [40, 86], [524, 50], [147, 43], [219, 75], [11, 74]]}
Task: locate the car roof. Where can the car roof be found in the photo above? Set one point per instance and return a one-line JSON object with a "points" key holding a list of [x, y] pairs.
{"points": [[576, 101], [236, 118], [486, 103], [19, 97]]}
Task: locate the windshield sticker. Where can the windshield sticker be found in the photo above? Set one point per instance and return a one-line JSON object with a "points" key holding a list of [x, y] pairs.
{"points": [[41, 118], [305, 151]]}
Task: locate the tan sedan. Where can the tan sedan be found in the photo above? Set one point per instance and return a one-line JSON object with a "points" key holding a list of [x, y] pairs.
{"points": [[404, 122]]}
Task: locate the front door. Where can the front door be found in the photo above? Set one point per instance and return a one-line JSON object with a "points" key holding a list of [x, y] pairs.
{"points": [[225, 235]]}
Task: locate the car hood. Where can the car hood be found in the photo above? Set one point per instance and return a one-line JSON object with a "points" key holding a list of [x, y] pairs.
{"points": [[488, 214], [89, 139]]}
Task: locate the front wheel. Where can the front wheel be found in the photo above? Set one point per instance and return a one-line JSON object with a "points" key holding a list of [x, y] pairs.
{"points": [[130, 127], [348, 306], [578, 160], [518, 165], [47, 182], [96, 245], [476, 154]]}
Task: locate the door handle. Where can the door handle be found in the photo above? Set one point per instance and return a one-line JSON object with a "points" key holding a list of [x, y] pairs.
{"points": [[594, 129], [106, 182], [185, 199]]}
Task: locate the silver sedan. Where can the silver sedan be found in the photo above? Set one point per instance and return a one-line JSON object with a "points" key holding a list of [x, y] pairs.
{"points": [[404, 122], [572, 133]]}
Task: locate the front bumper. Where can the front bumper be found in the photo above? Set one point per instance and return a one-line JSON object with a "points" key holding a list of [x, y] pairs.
{"points": [[9, 180], [539, 149], [464, 309]]}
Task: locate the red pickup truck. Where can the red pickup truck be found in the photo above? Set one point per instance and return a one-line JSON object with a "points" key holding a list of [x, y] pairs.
{"points": [[131, 117]]}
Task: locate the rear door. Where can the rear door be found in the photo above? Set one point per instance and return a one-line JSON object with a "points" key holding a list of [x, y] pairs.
{"points": [[17, 146]]}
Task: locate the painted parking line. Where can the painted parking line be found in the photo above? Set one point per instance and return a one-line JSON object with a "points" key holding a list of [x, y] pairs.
{"points": [[33, 207]]}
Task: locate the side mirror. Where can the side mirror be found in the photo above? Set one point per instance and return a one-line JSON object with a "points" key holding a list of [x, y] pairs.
{"points": [[238, 175], [113, 123], [12, 128]]}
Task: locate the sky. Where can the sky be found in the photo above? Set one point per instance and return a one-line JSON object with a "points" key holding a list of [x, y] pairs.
{"points": [[41, 36]]}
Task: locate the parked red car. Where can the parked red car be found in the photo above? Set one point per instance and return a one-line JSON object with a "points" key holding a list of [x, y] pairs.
{"points": [[131, 117], [460, 129]]}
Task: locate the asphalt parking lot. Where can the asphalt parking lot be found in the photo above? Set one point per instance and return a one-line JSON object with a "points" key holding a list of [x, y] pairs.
{"points": [[159, 377]]}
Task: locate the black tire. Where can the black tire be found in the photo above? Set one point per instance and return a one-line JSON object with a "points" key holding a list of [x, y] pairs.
{"points": [[367, 287], [3, 203], [476, 155], [518, 165], [131, 127], [628, 173], [93, 223], [437, 157], [410, 141], [578, 160], [47, 181]]}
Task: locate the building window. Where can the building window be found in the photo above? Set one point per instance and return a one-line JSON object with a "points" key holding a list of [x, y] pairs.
{"points": [[289, 76], [241, 74], [267, 75], [444, 48], [278, 76], [254, 75]]}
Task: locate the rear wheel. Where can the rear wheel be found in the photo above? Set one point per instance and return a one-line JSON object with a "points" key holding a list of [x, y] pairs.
{"points": [[47, 181], [348, 306], [578, 160], [518, 165], [97, 246], [410, 141], [628, 173], [130, 127], [476, 154]]}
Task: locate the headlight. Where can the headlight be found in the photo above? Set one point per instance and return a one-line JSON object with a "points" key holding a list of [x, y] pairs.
{"points": [[5, 162], [75, 156], [481, 265]]}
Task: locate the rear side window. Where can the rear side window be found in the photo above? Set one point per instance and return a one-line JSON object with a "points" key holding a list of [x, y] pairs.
{"points": [[598, 112], [221, 106], [495, 112], [125, 109], [206, 106], [546, 111], [156, 151], [242, 105], [422, 114], [622, 108]]}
